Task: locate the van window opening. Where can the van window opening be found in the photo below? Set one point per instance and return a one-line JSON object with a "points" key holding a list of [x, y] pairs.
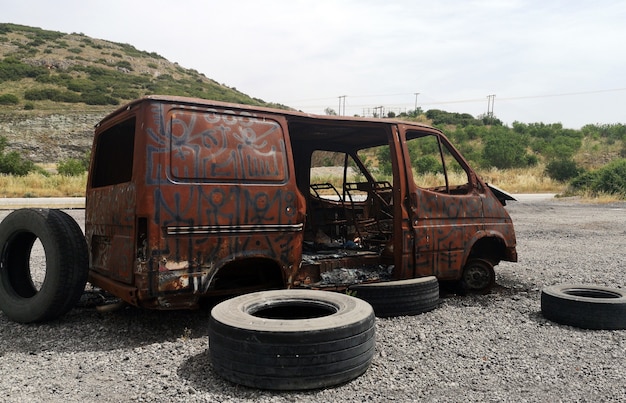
{"points": [[114, 151], [435, 167]]}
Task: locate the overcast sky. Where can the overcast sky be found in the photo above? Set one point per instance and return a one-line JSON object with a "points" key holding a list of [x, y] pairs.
{"points": [[545, 61]]}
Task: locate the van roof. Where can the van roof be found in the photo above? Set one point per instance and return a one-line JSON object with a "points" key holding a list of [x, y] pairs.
{"points": [[295, 114]]}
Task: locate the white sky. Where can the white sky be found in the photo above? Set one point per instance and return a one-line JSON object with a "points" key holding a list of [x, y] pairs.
{"points": [[545, 60]]}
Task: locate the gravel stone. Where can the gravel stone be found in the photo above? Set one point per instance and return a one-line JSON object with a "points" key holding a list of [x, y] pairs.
{"points": [[478, 348]]}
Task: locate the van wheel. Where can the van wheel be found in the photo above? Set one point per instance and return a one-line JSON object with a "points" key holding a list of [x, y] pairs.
{"points": [[400, 298], [291, 339], [587, 307], [478, 276], [60, 282]]}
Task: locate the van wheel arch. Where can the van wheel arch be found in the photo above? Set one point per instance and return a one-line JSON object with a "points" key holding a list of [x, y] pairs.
{"points": [[249, 274], [490, 248]]}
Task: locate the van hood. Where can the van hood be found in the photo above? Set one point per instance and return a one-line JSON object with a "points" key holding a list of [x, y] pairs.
{"points": [[500, 194]]}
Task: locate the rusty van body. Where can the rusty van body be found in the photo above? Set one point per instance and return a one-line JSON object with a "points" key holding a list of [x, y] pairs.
{"points": [[189, 198]]}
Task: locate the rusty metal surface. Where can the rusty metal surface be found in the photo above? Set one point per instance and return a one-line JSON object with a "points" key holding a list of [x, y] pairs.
{"points": [[218, 203]]}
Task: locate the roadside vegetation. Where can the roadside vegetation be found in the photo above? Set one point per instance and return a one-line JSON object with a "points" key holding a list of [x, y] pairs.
{"points": [[525, 158]]}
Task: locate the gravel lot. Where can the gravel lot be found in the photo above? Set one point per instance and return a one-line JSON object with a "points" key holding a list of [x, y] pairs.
{"points": [[494, 347]]}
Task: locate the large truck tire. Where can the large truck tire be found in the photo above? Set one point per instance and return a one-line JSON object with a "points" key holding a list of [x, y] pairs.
{"points": [[400, 298], [291, 339], [585, 306], [66, 264]]}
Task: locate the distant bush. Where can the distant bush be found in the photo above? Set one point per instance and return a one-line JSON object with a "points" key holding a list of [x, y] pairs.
{"points": [[611, 179], [506, 149], [96, 98], [427, 164], [12, 163], [439, 117], [124, 64], [9, 99], [14, 70], [562, 170], [52, 94], [71, 167]]}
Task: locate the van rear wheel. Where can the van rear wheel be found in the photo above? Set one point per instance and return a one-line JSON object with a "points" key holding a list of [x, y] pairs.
{"points": [[28, 291], [478, 276]]}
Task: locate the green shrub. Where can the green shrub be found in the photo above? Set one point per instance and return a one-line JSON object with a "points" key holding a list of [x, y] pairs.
{"points": [[53, 95], [505, 149], [562, 170], [9, 99], [427, 164], [124, 64], [383, 154], [96, 98], [611, 179], [71, 167], [12, 69], [12, 163]]}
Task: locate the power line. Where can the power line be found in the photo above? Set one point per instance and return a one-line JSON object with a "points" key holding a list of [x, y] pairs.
{"points": [[458, 101]]}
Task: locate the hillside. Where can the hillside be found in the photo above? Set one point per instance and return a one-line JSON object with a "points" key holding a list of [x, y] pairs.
{"points": [[55, 86]]}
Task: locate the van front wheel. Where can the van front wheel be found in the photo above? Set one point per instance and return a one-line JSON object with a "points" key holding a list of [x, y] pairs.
{"points": [[478, 276]]}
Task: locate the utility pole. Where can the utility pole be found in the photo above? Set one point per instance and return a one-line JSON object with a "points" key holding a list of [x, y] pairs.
{"points": [[416, 94], [491, 100], [342, 99]]}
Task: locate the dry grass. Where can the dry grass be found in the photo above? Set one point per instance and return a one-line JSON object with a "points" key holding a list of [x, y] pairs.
{"points": [[598, 198], [38, 185], [529, 180]]}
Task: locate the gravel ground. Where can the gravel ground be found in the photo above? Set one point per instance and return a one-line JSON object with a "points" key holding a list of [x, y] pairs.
{"points": [[494, 347]]}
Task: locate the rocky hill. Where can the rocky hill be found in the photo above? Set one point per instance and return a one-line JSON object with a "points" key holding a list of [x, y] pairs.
{"points": [[54, 87], [49, 137]]}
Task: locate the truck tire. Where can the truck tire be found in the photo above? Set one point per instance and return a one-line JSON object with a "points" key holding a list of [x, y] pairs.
{"points": [[66, 264], [584, 306], [291, 339], [400, 298]]}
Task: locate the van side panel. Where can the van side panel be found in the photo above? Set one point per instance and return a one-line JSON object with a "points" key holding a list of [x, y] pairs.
{"points": [[225, 197]]}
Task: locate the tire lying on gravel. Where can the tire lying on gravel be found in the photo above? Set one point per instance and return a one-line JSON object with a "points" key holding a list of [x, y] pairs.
{"points": [[400, 298], [291, 339], [66, 265], [584, 306]]}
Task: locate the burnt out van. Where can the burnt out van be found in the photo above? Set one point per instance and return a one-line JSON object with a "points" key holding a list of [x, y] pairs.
{"points": [[189, 198]]}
